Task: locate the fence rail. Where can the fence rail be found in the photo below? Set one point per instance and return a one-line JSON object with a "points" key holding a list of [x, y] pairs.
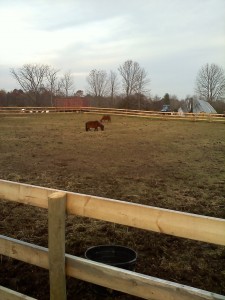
{"points": [[180, 224], [120, 112], [136, 284], [7, 294], [150, 218]]}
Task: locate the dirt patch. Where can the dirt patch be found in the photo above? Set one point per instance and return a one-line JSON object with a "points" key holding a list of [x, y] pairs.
{"points": [[169, 164]]}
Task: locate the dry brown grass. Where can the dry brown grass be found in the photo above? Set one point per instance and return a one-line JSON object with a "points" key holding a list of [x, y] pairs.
{"points": [[171, 164]]}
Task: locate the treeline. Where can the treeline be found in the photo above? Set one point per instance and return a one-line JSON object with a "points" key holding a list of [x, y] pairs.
{"points": [[137, 101], [128, 87], [18, 98]]}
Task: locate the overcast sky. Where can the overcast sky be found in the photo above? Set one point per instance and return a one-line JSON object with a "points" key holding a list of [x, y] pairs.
{"points": [[170, 39]]}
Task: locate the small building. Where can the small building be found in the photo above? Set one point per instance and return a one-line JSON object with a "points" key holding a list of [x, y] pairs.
{"points": [[75, 101]]}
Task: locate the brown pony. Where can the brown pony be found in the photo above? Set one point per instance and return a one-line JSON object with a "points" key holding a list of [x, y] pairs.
{"points": [[94, 124], [106, 118]]}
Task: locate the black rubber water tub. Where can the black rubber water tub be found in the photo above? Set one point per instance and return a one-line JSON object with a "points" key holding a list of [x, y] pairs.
{"points": [[117, 256], [113, 255]]}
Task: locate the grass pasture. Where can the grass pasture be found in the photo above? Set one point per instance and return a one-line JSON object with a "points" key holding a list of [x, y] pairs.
{"points": [[171, 164]]}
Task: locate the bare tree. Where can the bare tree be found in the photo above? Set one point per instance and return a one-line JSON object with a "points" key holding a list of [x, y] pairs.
{"points": [[66, 83], [142, 85], [98, 82], [79, 93], [113, 85], [59, 90], [210, 82], [134, 78], [142, 82], [51, 75], [30, 77]]}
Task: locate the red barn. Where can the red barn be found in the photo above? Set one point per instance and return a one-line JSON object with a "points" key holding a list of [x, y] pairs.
{"points": [[72, 102]]}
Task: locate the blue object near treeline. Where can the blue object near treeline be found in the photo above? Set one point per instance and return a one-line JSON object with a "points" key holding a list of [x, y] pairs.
{"points": [[166, 108]]}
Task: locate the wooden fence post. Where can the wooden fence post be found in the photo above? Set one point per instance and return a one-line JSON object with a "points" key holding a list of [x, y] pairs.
{"points": [[56, 245]]}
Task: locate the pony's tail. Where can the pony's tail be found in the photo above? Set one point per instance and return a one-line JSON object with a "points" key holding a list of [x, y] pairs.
{"points": [[86, 127]]}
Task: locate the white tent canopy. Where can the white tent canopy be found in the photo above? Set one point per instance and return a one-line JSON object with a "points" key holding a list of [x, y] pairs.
{"points": [[203, 106], [198, 106]]}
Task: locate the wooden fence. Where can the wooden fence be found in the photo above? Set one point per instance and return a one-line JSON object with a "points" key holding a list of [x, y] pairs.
{"points": [[120, 112], [59, 264]]}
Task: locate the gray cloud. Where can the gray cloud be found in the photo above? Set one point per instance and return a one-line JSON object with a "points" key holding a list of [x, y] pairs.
{"points": [[170, 39]]}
